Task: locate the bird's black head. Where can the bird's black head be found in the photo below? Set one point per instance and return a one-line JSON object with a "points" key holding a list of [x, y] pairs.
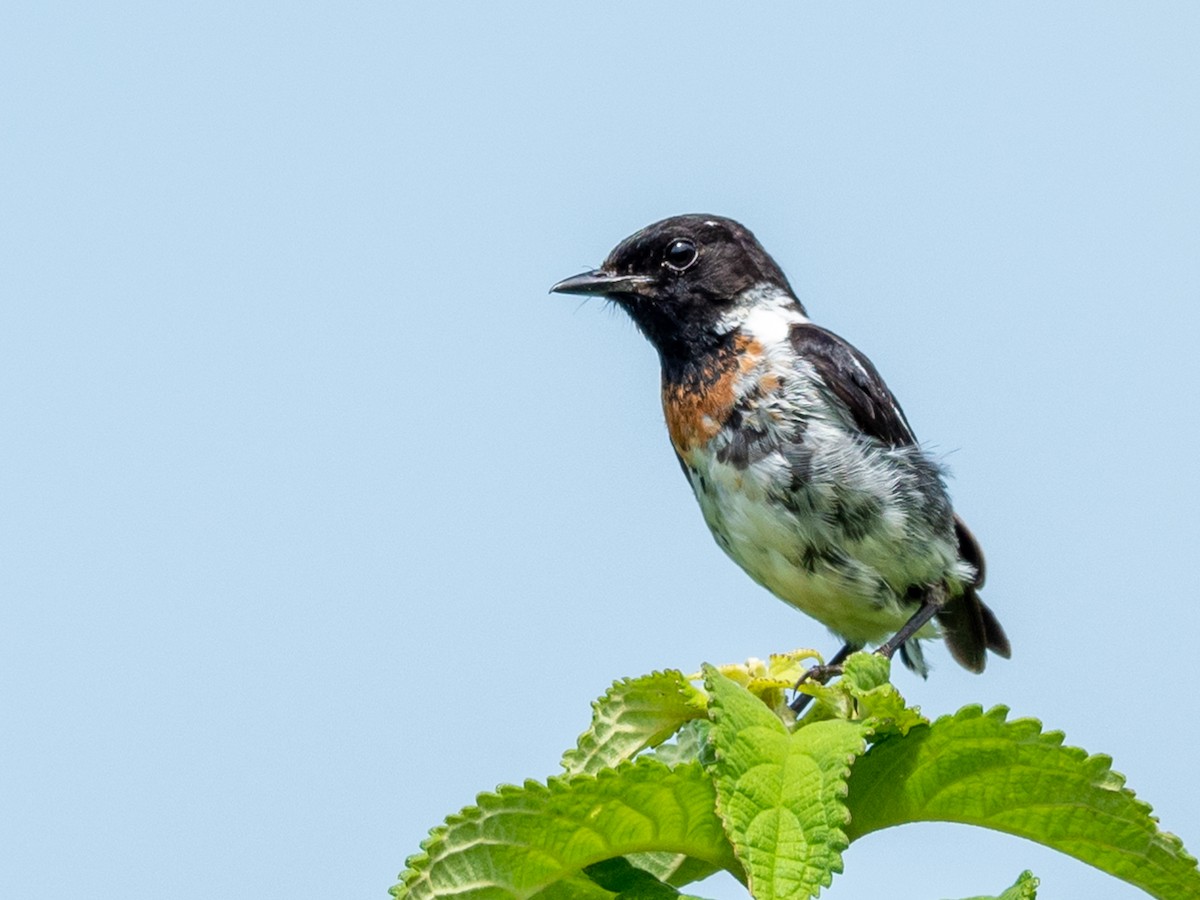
{"points": [[685, 281]]}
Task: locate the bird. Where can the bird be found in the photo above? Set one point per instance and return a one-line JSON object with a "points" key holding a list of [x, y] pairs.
{"points": [[805, 468]]}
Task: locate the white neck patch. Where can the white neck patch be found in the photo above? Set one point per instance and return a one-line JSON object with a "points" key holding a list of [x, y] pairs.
{"points": [[765, 313]]}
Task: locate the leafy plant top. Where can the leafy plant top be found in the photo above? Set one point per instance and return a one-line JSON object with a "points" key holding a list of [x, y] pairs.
{"points": [[682, 776]]}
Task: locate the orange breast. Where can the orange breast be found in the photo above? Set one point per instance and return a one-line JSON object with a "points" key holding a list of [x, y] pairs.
{"points": [[696, 410]]}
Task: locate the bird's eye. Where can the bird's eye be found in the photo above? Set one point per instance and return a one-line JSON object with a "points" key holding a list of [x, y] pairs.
{"points": [[680, 254]]}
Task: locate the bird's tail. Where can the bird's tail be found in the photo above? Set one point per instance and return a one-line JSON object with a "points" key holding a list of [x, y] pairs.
{"points": [[969, 627]]}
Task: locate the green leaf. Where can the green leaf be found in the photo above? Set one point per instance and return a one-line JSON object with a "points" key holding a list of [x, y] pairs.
{"points": [[690, 744], [1010, 776], [520, 840], [771, 680], [580, 887], [628, 882], [780, 794], [634, 714], [1025, 889], [575, 887], [672, 868], [863, 692]]}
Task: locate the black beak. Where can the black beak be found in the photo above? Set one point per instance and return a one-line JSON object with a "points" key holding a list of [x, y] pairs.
{"points": [[600, 282]]}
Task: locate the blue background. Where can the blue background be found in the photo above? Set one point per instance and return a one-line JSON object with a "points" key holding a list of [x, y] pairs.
{"points": [[319, 515]]}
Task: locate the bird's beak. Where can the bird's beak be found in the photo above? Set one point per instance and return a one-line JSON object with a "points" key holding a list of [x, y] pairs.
{"points": [[598, 281]]}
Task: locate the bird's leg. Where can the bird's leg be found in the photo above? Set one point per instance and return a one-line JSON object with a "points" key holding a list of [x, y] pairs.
{"points": [[935, 599], [821, 674]]}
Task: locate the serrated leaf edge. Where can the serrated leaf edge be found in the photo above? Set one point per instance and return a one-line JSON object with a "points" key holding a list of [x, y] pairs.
{"points": [[418, 865], [837, 841], [588, 742]]}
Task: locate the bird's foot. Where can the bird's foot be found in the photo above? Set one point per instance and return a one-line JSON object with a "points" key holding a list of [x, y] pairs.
{"points": [[819, 674]]}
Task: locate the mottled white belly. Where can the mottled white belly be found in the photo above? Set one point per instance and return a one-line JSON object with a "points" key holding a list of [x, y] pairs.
{"points": [[854, 588]]}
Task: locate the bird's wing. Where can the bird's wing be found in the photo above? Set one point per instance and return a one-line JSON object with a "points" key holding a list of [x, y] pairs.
{"points": [[853, 380], [969, 627]]}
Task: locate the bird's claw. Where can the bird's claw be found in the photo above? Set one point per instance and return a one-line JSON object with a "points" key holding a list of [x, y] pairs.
{"points": [[819, 674]]}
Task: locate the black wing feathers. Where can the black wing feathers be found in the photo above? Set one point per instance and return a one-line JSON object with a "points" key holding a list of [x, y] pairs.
{"points": [[853, 380], [969, 549]]}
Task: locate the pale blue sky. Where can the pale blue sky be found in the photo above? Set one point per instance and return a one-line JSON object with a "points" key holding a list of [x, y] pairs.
{"points": [[320, 516]]}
